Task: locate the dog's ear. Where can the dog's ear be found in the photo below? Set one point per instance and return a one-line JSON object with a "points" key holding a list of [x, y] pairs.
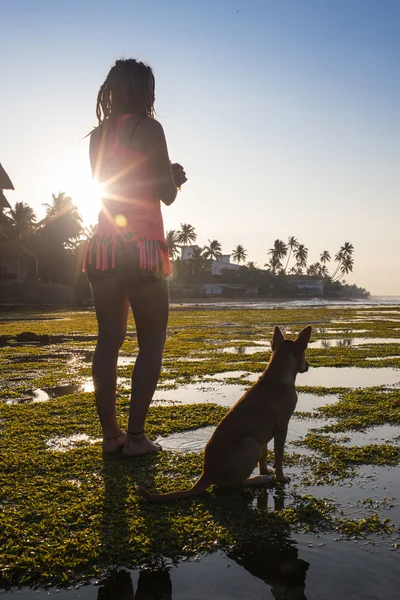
{"points": [[277, 339], [303, 338]]}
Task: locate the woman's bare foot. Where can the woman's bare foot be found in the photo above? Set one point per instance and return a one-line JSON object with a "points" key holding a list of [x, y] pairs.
{"points": [[114, 442], [266, 471], [136, 444]]}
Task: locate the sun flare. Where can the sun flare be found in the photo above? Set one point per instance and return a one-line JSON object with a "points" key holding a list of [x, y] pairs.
{"points": [[86, 195]]}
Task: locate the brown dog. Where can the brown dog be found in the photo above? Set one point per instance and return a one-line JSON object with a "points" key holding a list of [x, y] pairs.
{"points": [[240, 440]]}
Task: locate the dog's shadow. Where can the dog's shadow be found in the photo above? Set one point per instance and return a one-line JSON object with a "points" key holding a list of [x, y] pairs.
{"points": [[262, 542]]}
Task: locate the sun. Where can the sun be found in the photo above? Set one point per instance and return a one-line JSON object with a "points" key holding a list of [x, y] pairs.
{"points": [[86, 195]]}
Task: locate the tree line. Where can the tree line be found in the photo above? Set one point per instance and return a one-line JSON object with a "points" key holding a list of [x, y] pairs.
{"points": [[58, 239], [284, 258], [55, 240]]}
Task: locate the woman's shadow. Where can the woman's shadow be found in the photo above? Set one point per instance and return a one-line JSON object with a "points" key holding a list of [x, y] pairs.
{"points": [[262, 540], [153, 583]]}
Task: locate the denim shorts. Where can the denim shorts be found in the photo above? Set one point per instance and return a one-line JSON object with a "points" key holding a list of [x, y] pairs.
{"points": [[125, 267]]}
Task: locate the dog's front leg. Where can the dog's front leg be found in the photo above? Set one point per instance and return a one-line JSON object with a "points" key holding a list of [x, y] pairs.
{"points": [[262, 463], [280, 433]]}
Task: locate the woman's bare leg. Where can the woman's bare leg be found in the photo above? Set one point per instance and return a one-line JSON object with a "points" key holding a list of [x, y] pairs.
{"points": [[150, 306], [112, 305]]}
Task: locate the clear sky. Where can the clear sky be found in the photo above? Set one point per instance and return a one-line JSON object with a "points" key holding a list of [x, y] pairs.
{"points": [[285, 115]]}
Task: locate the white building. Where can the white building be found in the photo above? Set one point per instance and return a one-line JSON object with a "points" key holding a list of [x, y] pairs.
{"points": [[217, 266], [307, 284]]}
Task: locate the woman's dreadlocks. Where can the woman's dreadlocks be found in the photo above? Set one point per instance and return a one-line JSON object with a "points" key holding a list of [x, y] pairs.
{"points": [[129, 87]]}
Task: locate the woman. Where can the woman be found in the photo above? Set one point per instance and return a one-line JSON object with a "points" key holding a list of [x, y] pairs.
{"points": [[127, 260]]}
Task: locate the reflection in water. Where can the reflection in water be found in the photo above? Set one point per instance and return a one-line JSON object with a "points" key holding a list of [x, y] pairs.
{"points": [[263, 545], [280, 568], [272, 557], [152, 585], [345, 343]]}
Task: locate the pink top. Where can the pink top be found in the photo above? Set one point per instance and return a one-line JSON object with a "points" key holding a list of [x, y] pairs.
{"points": [[130, 212]]}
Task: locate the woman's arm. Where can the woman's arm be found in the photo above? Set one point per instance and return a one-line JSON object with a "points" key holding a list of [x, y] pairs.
{"points": [[148, 135]]}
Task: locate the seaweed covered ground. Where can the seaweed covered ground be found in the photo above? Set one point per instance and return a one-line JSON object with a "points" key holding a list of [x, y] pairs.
{"points": [[69, 515]]}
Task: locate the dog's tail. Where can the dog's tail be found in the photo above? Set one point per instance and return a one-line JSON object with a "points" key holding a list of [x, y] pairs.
{"points": [[200, 486]]}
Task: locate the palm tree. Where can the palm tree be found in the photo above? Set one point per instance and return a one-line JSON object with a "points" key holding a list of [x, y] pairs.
{"points": [[345, 255], [323, 271], [325, 257], [198, 262], [251, 265], [274, 263], [171, 238], [313, 269], [21, 221], [292, 245], [186, 235], [346, 267], [62, 222], [347, 249], [213, 250], [318, 269], [277, 252], [338, 260], [301, 255], [239, 254]]}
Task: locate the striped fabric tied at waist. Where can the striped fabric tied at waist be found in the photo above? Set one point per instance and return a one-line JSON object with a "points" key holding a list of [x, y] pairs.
{"points": [[101, 252]]}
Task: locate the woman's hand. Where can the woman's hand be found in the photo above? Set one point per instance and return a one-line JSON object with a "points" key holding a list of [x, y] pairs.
{"points": [[178, 174]]}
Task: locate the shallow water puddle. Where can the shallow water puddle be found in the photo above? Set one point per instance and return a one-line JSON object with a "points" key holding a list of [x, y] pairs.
{"points": [[246, 349], [233, 375], [326, 343], [307, 402], [375, 489], [171, 361], [250, 342], [39, 395], [228, 394], [126, 360], [218, 393], [368, 318], [46, 394], [382, 357], [345, 332], [295, 567], [63, 444], [196, 439], [188, 441], [379, 312], [351, 377], [86, 385], [381, 434], [346, 342]]}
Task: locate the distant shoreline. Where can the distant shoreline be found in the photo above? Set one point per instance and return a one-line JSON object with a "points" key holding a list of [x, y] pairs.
{"points": [[257, 302], [283, 303]]}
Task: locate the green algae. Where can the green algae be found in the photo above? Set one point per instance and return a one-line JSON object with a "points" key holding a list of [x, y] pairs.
{"points": [[362, 408], [69, 515], [372, 454]]}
